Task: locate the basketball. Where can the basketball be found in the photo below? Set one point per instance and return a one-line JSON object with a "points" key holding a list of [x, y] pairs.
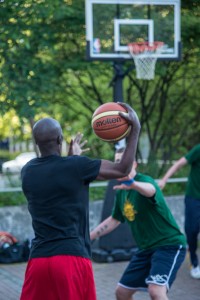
{"points": [[108, 125]]}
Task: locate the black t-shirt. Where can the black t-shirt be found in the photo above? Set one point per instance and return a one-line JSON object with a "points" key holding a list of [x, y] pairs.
{"points": [[57, 191]]}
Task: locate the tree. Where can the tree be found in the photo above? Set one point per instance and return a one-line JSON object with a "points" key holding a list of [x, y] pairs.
{"points": [[43, 69]]}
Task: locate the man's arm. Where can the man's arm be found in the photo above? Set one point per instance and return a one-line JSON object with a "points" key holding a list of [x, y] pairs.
{"points": [[172, 170], [144, 188], [113, 170], [104, 228]]}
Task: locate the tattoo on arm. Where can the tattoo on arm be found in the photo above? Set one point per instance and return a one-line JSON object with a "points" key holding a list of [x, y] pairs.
{"points": [[101, 230]]}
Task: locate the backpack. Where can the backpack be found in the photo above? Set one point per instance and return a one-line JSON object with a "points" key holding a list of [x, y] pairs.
{"points": [[11, 250]]}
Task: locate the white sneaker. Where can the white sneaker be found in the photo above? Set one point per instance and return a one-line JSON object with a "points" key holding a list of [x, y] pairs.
{"points": [[195, 272]]}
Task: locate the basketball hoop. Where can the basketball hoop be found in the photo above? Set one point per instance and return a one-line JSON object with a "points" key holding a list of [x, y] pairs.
{"points": [[143, 56]]}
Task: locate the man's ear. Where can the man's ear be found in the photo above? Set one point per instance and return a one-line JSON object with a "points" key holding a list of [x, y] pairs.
{"points": [[59, 140]]}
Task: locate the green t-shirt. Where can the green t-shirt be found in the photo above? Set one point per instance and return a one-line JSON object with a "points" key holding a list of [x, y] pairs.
{"points": [[193, 184], [150, 219]]}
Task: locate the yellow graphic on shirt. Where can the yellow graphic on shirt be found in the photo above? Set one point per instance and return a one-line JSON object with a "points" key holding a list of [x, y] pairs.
{"points": [[129, 212]]}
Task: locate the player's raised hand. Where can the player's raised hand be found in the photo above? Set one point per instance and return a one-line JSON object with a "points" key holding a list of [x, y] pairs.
{"points": [[131, 116], [76, 145]]}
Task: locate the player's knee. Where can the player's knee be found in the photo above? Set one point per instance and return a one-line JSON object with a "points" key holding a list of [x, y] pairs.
{"points": [[118, 293], [157, 292], [153, 291], [122, 293]]}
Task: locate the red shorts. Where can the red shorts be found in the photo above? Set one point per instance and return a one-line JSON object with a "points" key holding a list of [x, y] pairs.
{"points": [[61, 277]]}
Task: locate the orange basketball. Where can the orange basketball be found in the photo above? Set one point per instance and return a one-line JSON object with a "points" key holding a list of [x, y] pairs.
{"points": [[108, 125]]}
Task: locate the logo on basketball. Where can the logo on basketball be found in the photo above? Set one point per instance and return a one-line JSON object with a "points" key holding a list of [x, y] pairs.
{"points": [[107, 122]]}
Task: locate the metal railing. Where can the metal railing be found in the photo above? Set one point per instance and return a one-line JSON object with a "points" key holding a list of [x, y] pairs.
{"points": [[94, 184]]}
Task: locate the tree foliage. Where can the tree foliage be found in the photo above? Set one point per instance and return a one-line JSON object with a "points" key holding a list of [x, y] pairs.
{"points": [[43, 70]]}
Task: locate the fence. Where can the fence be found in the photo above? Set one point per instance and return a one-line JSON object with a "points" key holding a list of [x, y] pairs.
{"points": [[92, 185]]}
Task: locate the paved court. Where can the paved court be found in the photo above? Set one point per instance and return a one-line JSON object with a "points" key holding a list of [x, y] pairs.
{"points": [[106, 277]]}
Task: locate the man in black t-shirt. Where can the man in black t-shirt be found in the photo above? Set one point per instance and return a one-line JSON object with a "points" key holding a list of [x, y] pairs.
{"points": [[57, 191]]}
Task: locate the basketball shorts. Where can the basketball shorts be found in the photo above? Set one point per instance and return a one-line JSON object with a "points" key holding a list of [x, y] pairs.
{"points": [[158, 267], [61, 277]]}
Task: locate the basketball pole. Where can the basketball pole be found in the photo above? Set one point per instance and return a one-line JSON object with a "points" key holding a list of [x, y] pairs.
{"points": [[118, 71], [117, 82]]}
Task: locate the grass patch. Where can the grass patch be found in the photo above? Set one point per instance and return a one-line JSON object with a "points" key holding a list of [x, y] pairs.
{"points": [[97, 193], [12, 199]]}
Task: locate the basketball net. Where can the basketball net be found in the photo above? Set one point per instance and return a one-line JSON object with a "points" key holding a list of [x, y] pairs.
{"points": [[142, 54]]}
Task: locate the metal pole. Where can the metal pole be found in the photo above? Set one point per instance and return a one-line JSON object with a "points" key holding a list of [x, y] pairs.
{"points": [[118, 82]]}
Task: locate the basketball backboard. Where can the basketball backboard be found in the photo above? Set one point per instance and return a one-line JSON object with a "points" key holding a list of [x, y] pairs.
{"points": [[112, 24]]}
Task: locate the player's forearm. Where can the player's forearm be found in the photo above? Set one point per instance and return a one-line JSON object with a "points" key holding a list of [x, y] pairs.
{"points": [[128, 156], [104, 228], [180, 163], [144, 188], [169, 173]]}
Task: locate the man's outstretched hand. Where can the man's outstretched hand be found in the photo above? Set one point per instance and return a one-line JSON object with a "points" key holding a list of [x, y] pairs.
{"points": [[76, 145]]}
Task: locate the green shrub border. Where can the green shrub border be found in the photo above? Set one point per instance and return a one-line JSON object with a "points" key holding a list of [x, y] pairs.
{"points": [[12, 199]]}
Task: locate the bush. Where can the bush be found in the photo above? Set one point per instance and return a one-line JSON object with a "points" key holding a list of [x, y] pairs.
{"points": [[97, 193], [12, 198], [174, 189]]}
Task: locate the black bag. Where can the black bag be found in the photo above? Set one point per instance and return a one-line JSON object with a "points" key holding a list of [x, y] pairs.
{"points": [[12, 251]]}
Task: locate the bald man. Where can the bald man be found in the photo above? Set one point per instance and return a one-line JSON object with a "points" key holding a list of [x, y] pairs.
{"points": [[57, 191]]}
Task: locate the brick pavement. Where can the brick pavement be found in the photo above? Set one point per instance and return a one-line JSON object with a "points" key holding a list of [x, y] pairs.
{"points": [[106, 277]]}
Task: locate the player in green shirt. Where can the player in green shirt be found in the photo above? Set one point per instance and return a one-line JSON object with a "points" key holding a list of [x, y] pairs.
{"points": [[161, 245], [192, 203]]}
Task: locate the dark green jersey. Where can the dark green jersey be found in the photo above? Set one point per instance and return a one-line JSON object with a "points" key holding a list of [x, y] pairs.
{"points": [[150, 219], [193, 185]]}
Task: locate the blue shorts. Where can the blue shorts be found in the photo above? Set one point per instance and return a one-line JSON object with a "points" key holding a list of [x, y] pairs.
{"points": [[158, 266]]}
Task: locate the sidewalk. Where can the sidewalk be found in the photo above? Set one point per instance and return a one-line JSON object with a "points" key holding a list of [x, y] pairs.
{"points": [[106, 277]]}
